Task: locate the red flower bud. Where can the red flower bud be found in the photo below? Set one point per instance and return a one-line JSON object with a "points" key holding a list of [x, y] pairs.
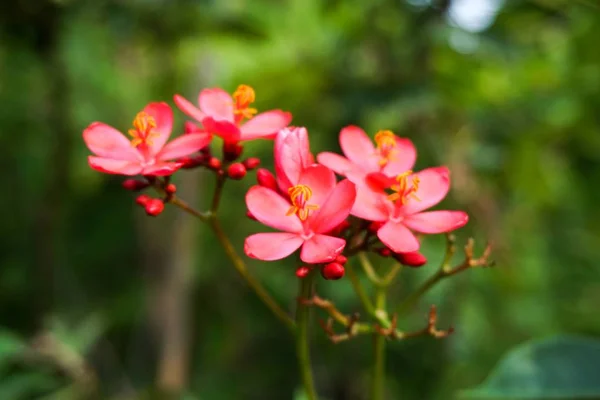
{"points": [[190, 127], [375, 226], [154, 207], [302, 272], [333, 271], [236, 171], [232, 151], [341, 259], [385, 252], [251, 163], [250, 215], [134, 184], [142, 199], [265, 178], [171, 188], [413, 259], [214, 163]]}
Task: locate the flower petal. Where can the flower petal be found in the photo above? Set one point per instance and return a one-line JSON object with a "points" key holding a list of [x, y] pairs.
{"points": [[106, 141], [434, 184], [162, 168], [216, 103], [271, 246], [320, 180], [335, 209], [112, 166], [163, 115], [270, 208], [340, 165], [292, 155], [403, 159], [359, 149], [184, 145], [265, 125], [436, 221], [398, 237], [225, 129], [321, 248], [370, 205], [188, 108]]}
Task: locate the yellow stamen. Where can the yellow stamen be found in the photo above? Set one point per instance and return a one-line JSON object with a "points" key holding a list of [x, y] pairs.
{"points": [[403, 190], [143, 125], [299, 196], [244, 96], [386, 146]]}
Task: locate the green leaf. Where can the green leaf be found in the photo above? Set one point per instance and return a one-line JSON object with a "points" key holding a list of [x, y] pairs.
{"points": [[10, 346], [561, 367]]}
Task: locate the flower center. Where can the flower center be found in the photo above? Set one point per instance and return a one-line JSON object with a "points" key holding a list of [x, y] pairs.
{"points": [[404, 189], [243, 97], [299, 196], [386, 146], [143, 125]]}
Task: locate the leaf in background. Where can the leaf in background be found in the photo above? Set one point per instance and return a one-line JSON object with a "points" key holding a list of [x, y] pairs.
{"points": [[10, 346], [562, 367]]}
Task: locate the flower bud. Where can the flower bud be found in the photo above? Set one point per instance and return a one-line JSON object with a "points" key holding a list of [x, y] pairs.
{"points": [[251, 163], [265, 178], [333, 271], [134, 184], [236, 171], [190, 127], [214, 163], [302, 272], [413, 259], [142, 199], [250, 215], [154, 207], [375, 226], [385, 252], [232, 151], [341, 259], [171, 188]]}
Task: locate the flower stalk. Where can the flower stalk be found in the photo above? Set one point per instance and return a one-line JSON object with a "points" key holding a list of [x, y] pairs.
{"points": [[302, 336]]}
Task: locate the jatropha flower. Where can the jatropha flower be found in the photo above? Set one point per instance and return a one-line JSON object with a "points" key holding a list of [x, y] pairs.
{"points": [[391, 155], [292, 156], [231, 117], [402, 210], [147, 152], [313, 208]]}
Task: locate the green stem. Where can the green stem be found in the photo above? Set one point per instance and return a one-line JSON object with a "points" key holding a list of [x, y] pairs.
{"points": [[378, 374], [302, 348], [360, 291], [369, 270], [411, 300]]}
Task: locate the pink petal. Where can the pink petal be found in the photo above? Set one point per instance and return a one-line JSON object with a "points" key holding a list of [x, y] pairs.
{"points": [[184, 145], [340, 165], [270, 208], [265, 125], [162, 168], [216, 103], [359, 149], [272, 246], [320, 180], [292, 155], [321, 248], [225, 129], [112, 166], [403, 159], [163, 115], [106, 141], [436, 221], [188, 108], [398, 237], [336, 208], [371, 205], [434, 184]]}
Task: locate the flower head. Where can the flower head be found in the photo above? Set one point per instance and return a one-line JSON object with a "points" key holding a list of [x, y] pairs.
{"points": [[147, 152], [402, 210], [232, 117], [311, 210]]}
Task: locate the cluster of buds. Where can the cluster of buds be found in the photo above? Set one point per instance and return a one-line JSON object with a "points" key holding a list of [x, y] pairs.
{"points": [[331, 271]]}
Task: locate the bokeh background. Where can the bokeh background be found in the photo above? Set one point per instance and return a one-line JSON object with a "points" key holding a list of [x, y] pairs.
{"points": [[506, 93]]}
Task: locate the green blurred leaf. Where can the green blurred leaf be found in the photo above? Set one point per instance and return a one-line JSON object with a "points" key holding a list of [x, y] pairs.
{"points": [[10, 346], [562, 367], [19, 386]]}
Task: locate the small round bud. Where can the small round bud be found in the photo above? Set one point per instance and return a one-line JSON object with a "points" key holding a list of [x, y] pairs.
{"points": [[192, 162], [333, 271], [302, 272], [142, 199], [232, 151], [341, 259], [375, 226], [250, 215], [251, 163], [154, 207], [214, 163], [412, 259], [265, 178], [134, 184], [385, 252], [171, 188], [236, 171]]}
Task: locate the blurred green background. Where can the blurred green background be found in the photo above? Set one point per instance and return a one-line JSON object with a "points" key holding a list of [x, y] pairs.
{"points": [[506, 93]]}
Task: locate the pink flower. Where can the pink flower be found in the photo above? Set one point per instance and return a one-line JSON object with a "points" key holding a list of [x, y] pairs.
{"points": [[146, 153], [223, 114], [313, 208], [292, 156], [392, 156], [402, 211]]}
